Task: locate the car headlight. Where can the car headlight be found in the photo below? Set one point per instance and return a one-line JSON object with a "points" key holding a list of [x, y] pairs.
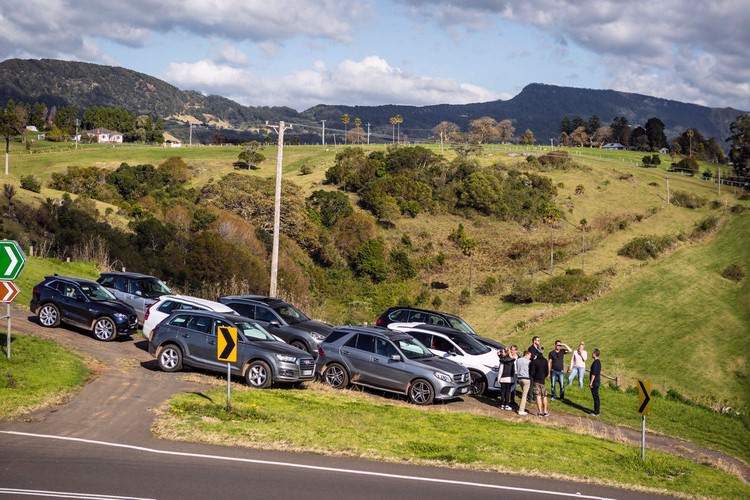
{"points": [[317, 337], [120, 317], [287, 358], [442, 376]]}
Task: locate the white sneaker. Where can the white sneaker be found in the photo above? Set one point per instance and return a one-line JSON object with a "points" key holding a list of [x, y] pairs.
{"points": [[522, 413]]}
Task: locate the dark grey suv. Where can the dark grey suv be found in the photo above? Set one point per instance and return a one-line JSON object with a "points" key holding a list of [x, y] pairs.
{"points": [[189, 338], [281, 319], [390, 361]]}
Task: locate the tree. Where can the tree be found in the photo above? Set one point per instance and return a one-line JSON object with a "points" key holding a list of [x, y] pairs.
{"points": [[397, 120], [250, 157], [9, 190], [505, 130], [330, 205], [528, 137], [639, 139], [566, 126], [358, 127], [445, 130], [579, 136], [484, 130], [601, 136], [593, 125], [345, 119], [739, 149], [10, 127], [655, 134], [620, 130], [466, 244]]}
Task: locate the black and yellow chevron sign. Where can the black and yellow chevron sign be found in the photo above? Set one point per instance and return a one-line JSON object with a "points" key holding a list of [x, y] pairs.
{"points": [[226, 345]]}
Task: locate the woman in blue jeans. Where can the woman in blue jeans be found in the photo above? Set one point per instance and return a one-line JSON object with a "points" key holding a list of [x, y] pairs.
{"points": [[578, 365]]}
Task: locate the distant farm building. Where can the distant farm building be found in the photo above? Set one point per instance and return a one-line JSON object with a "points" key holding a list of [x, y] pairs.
{"points": [[171, 141], [104, 136], [613, 145]]}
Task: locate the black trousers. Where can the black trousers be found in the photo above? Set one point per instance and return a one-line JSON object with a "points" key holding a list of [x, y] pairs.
{"points": [[595, 395], [505, 394]]}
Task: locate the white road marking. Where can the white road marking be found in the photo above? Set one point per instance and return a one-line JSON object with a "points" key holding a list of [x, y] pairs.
{"points": [[309, 467], [64, 494]]}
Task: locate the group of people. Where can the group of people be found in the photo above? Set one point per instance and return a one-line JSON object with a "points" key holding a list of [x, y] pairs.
{"points": [[530, 370]]}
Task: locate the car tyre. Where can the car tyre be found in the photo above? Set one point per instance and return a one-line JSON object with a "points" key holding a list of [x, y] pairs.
{"points": [[49, 315], [421, 392], [170, 358], [300, 345], [478, 383], [336, 376], [258, 374], [105, 329]]}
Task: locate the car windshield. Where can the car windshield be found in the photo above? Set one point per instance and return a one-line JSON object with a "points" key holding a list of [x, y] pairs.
{"points": [[96, 292], [290, 314], [470, 345], [153, 288], [412, 348], [253, 331], [460, 325]]}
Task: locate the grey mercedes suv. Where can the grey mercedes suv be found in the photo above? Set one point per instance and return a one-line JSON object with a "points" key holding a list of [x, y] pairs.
{"points": [[390, 361], [189, 337]]}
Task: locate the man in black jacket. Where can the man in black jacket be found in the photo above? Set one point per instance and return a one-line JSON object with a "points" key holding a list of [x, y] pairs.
{"points": [[538, 371]]}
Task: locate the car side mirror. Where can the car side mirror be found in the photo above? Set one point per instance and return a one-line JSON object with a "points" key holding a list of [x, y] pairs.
{"points": [[274, 323], [395, 357], [139, 293]]}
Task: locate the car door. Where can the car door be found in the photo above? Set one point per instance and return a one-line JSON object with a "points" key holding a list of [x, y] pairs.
{"points": [[359, 351], [269, 320], [134, 296], [203, 341], [388, 366], [75, 307]]}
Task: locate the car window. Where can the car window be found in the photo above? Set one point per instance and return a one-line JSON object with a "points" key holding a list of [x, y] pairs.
{"points": [[425, 338], [441, 344], [119, 283], [200, 323], [70, 292], [352, 342], [96, 292], [247, 310], [366, 342], [399, 316], [384, 348], [417, 317], [459, 324], [150, 287], [106, 281], [470, 345], [167, 306], [290, 314], [265, 314], [435, 320], [180, 320], [253, 331], [335, 335], [57, 285], [412, 348]]}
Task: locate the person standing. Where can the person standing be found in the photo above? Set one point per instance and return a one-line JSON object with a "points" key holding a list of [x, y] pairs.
{"points": [[506, 373], [557, 368], [522, 375], [536, 350], [538, 371], [595, 377], [514, 355], [578, 365]]}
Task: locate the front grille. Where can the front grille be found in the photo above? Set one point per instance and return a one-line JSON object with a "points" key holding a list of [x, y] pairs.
{"points": [[461, 377], [306, 364]]}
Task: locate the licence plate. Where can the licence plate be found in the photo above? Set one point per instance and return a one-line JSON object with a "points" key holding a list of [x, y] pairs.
{"points": [[463, 390], [306, 372]]}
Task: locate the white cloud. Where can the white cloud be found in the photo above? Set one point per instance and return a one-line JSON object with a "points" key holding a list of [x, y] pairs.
{"points": [[369, 81], [696, 51], [233, 56]]}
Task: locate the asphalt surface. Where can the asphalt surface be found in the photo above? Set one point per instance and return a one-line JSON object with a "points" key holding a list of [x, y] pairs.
{"points": [[99, 445]]}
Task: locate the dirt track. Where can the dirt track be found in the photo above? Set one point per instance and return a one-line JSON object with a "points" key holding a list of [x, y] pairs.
{"points": [[118, 403]]}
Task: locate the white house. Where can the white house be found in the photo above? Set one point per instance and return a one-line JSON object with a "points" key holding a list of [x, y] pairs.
{"points": [[105, 136], [613, 145]]}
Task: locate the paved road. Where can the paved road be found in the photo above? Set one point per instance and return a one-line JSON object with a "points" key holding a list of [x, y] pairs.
{"points": [[99, 445]]}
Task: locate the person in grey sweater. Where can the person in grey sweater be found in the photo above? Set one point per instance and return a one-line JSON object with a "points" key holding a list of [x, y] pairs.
{"points": [[522, 375]]}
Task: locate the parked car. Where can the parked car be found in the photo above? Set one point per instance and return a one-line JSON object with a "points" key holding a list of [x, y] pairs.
{"points": [[82, 303], [401, 314], [390, 361], [461, 347], [163, 307], [189, 337], [281, 319], [137, 290]]}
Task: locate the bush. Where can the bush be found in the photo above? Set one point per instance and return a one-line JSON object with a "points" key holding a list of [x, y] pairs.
{"points": [[737, 209], [437, 302], [687, 200], [464, 297], [402, 265], [370, 260], [305, 169], [645, 247], [488, 286], [31, 183], [573, 286], [734, 273], [705, 225], [522, 292]]}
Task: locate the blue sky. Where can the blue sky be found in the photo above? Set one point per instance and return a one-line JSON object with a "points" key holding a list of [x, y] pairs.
{"points": [[302, 53]]}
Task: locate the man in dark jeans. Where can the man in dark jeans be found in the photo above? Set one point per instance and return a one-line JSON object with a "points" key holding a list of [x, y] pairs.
{"points": [[557, 368], [595, 377]]}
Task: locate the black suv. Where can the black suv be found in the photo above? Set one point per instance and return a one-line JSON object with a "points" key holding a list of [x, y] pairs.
{"points": [[83, 303], [135, 289], [190, 338], [403, 314], [281, 319]]}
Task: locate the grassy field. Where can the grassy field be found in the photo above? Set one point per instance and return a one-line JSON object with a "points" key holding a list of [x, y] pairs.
{"points": [[39, 373], [350, 424]]}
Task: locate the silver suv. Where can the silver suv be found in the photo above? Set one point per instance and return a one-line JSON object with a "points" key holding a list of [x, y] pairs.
{"points": [[390, 361], [137, 290]]}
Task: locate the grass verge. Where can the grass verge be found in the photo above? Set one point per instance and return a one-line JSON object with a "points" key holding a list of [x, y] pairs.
{"points": [[39, 373], [349, 424]]}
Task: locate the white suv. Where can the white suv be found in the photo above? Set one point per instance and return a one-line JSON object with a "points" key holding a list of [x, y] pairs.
{"points": [[163, 307], [460, 347]]}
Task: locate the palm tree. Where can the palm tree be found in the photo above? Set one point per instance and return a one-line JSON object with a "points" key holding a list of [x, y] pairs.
{"points": [[392, 121], [345, 119], [358, 124], [399, 120]]}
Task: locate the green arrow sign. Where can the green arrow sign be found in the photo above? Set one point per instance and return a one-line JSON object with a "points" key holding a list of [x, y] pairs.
{"points": [[12, 260]]}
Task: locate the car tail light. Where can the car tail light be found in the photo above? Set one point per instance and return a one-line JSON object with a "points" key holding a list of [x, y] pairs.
{"points": [[148, 311], [379, 322], [321, 352]]}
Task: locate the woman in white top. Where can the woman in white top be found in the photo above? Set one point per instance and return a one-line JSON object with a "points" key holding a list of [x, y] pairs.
{"points": [[578, 365]]}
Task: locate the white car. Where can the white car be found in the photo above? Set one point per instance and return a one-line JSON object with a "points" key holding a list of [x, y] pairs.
{"points": [[460, 347], [163, 307]]}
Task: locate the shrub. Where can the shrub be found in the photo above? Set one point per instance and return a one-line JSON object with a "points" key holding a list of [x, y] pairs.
{"points": [[464, 297], [488, 286], [402, 265], [737, 209], [687, 200], [370, 260], [522, 292], [707, 224], [573, 286], [734, 273], [31, 183], [437, 302], [645, 247], [305, 169]]}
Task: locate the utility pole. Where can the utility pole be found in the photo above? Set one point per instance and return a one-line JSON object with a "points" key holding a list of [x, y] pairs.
{"points": [[277, 208], [551, 143], [719, 183], [324, 132], [667, 191], [78, 122], [368, 133], [190, 140]]}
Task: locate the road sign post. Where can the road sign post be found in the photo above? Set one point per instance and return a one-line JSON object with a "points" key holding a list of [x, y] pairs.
{"points": [[644, 396], [12, 260], [226, 350]]}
